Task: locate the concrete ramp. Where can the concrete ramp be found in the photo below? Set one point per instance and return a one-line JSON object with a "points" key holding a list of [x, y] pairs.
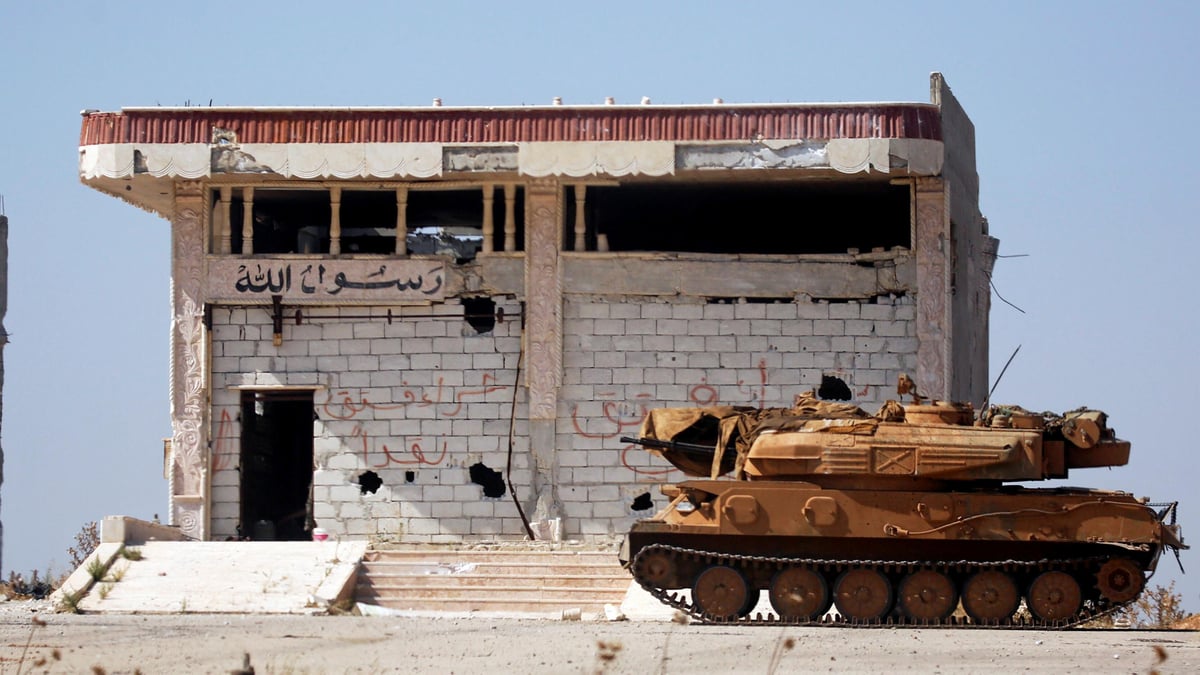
{"points": [[174, 577]]}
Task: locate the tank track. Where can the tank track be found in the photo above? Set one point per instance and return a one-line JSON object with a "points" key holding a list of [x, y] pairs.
{"points": [[1089, 611]]}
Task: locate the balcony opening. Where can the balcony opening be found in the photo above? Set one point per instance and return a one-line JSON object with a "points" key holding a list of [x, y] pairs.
{"points": [[795, 218], [285, 221], [439, 222]]}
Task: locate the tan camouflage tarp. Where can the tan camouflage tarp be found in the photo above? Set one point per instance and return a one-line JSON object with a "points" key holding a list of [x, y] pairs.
{"points": [[735, 427]]}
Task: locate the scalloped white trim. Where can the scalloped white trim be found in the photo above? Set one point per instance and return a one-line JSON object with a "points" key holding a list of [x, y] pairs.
{"points": [[595, 158]]}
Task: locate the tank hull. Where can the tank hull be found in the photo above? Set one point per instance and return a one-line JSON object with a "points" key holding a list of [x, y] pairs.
{"points": [[911, 515], [850, 543]]}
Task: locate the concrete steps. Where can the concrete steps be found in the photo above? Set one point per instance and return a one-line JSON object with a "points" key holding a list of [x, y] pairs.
{"points": [[517, 582], [183, 577]]}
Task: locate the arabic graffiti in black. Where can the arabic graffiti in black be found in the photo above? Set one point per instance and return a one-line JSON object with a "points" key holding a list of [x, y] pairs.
{"points": [[277, 280]]}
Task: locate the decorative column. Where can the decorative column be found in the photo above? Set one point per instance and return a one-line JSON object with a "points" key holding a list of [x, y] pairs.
{"points": [[402, 221], [224, 229], [489, 225], [247, 220], [335, 221], [189, 468], [543, 335], [580, 219], [934, 262], [510, 218]]}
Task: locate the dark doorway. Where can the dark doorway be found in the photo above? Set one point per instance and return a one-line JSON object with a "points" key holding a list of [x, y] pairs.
{"points": [[276, 465]]}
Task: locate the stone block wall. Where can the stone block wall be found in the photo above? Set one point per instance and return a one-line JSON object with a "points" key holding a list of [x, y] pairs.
{"points": [[425, 403], [622, 358], [418, 402]]}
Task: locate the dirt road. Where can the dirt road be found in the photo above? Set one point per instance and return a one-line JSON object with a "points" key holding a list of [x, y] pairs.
{"points": [[192, 643]]}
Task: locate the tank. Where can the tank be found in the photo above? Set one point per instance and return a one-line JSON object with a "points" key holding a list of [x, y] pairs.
{"points": [[910, 516]]}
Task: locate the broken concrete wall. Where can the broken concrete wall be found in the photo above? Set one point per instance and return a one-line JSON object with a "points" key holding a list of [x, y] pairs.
{"points": [[974, 250]]}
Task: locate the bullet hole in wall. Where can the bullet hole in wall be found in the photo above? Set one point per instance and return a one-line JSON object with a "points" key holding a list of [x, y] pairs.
{"points": [[369, 481], [480, 314], [491, 480], [833, 389], [642, 502], [410, 476]]}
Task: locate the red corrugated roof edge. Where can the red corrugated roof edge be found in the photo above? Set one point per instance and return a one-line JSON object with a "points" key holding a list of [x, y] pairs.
{"points": [[717, 122]]}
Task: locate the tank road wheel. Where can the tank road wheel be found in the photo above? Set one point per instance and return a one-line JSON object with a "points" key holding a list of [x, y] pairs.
{"points": [[1054, 596], [722, 593], [657, 568], [1120, 580], [799, 593], [863, 594], [990, 597], [927, 595]]}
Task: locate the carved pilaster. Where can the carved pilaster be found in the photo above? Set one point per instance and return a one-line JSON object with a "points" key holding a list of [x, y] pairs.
{"points": [[543, 337], [543, 287], [188, 468], [933, 252]]}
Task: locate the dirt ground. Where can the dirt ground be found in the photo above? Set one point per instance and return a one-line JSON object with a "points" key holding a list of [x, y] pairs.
{"points": [[212, 643]]}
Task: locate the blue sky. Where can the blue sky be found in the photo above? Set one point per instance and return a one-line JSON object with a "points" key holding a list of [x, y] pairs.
{"points": [[1084, 116]]}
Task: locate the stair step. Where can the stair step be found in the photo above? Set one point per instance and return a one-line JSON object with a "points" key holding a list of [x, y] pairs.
{"points": [[525, 593], [532, 567], [506, 605], [519, 581], [565, 581], [494, 557]]}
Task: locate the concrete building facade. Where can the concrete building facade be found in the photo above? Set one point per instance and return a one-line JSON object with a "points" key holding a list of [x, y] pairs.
{"points": [[387, 321]]}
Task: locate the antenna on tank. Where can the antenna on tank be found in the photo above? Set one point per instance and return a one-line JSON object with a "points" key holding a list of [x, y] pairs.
{"points": [[987, 399]]}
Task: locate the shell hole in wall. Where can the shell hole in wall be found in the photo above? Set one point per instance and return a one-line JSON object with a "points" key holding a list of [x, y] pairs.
{"points": [[491, 480], [642, 502], [369, 481], [480, 313], [833, 389]]}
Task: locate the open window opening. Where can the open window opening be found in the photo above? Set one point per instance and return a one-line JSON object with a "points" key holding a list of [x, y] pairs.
{"points": [[368, 219], [453, 222], [284, 221], [276, 465], [437, 222], [795, 218]]}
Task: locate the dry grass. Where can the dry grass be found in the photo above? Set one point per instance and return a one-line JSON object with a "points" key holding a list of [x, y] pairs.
{"points": [[1190, 623]]}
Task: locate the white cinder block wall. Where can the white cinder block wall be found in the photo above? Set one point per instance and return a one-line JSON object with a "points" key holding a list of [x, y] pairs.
{"points": [[418, 401], [623, 358]]}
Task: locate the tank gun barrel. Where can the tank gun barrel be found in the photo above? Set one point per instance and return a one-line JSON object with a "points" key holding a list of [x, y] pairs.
{"points": [[691, 448], [694, 459]]}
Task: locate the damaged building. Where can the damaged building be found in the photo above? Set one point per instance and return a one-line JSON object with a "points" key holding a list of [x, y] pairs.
{"points": [[387, 321]]}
